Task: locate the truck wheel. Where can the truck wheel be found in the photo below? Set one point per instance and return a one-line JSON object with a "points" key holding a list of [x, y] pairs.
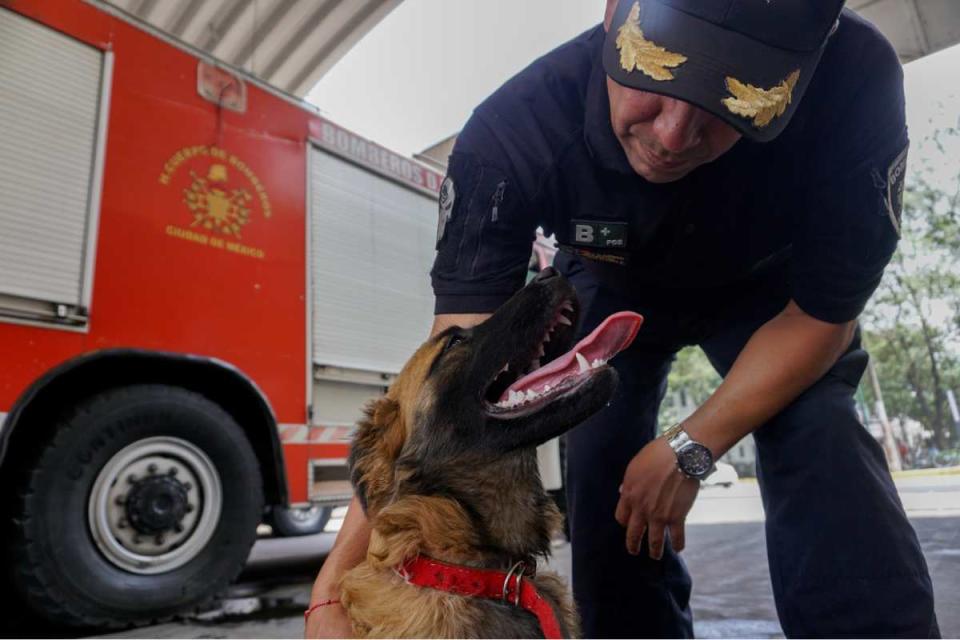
{"points": [[143, 503], [291, 522]]}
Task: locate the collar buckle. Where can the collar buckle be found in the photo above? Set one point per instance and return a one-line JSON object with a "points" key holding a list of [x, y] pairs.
{"points": [[518, 570]]}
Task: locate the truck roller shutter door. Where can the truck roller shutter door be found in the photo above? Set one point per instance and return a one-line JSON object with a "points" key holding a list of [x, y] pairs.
{"points": [[372, 247], [49, 114]]}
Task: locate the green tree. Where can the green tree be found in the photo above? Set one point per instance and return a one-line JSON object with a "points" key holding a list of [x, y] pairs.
{"points": [[693, 376], [912, 325]]}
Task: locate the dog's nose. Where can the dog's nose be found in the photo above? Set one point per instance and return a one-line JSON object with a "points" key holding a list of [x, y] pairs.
{"points": [[547, 274]]}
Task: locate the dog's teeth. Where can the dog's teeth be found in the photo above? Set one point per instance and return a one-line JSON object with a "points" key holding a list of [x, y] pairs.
{"points": [[584, 365], [531, 394], [535, 364], [547, 338], [542, 353], [564, 320], [546, 388], [567, 305]]}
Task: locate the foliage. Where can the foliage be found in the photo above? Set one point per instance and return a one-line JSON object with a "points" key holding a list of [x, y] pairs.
{"points": [[692, 378], [912, 324]]}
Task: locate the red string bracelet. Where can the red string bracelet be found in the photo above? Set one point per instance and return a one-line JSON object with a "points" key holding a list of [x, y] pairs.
{"points": [[306, 614]]}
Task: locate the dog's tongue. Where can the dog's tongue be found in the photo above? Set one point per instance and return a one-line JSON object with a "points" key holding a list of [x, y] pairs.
{"points": [[612, 336]]}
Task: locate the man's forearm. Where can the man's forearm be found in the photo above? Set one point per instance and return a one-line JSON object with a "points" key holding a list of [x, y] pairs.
{"points": [[779, 362], [348, 551]]}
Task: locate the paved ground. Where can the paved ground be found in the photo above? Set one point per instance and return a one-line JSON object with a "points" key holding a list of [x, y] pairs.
{"points": [[725, 553]]}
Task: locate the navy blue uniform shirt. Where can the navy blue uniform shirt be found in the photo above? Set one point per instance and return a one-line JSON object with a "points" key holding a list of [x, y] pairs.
{"points": [[822, 200]]}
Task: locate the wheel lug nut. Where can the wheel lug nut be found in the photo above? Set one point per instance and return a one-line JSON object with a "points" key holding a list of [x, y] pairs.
{"points": [[136, 540], [187, 486], [172, 471], [178, 528], [131, 478], [122, 524], [158, 540], [119, 500], [189, 507], [152, 468]]}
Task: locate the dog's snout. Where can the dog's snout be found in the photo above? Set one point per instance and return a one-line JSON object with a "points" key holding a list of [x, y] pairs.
{"points": [[547, 274]]}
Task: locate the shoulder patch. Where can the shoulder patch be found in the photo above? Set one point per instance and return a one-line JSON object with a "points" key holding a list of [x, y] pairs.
{"points": [[448, 194], [896, 181]]}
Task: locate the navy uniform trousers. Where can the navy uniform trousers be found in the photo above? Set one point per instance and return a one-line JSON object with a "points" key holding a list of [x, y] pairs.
{"points": [[844, 560]]}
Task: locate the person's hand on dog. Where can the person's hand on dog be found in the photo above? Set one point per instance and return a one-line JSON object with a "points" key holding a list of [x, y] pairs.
{"points": [[328, 622], [654, 497]]}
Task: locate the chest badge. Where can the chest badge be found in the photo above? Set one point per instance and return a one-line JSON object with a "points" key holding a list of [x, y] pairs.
{"points": [[603, 235]]}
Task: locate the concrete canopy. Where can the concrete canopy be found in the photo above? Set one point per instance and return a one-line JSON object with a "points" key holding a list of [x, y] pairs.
{"points": [[915, 27], [289, 44]]}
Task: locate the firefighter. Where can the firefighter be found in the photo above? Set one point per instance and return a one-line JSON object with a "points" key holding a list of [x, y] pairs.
{"points": [[733, 170]]}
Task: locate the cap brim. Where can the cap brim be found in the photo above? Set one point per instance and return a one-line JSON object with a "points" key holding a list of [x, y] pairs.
{"points": [[713, 55]]}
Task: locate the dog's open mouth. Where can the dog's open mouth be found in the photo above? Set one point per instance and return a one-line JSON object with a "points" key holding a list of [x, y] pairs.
{"points": [[512, 395]]}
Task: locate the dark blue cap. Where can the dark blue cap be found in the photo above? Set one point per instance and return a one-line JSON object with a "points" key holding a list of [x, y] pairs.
{"points": [[747, 61]]}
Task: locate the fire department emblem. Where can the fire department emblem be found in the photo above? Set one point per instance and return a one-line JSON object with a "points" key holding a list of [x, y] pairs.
{"points": [[214, 205], [221, 193]]}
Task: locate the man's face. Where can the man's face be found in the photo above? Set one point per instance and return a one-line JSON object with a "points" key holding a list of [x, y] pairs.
{"points": [[664, 138]]}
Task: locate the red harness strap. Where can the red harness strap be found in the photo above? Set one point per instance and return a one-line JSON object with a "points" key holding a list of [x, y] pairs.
{"points": [[508, 586]]}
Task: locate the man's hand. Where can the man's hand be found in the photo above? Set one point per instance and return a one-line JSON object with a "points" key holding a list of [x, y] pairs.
{"points": [[330, 621], [655, 497]]}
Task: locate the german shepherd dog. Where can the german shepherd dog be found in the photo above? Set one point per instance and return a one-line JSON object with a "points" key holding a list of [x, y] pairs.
{"points": [[445, 464]]}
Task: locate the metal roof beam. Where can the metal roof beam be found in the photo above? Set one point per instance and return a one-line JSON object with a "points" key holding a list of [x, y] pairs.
{"points": [[219, 28], [281, 8], [184, 19], [320, 58], [308, 26], [144, 8]]}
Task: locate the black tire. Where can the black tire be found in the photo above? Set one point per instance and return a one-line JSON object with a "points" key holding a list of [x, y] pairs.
{"points": [[60, 570], [291, 522]]}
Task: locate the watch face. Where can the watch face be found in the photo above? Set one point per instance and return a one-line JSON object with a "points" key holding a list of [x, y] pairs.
{"points": [[695, 460]]}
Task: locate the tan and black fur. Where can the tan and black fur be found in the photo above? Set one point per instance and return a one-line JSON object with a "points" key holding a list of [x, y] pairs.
{"points": [[442, 471]]}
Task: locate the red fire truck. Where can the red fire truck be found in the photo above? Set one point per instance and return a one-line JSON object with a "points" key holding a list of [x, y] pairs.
{"points": [[202, 282]]}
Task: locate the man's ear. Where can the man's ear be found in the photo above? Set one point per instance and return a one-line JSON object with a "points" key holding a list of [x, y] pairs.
{"points": [[608, 14], [376, 445]]}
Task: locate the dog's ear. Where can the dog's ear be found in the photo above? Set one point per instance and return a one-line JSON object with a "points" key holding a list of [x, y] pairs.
{"points": [[376, 445]]}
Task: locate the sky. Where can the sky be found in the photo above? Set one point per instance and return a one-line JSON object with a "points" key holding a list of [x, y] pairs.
{"points": [[416, 77]]}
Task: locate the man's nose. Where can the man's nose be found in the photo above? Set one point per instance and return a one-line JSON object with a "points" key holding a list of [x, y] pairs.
{"points": [[679, 125]]}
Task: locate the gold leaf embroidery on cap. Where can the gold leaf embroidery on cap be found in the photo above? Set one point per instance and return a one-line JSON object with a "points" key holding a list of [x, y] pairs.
{"points": [[763, 105], [636, 52]]}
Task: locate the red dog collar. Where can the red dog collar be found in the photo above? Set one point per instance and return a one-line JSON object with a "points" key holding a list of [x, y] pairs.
{"points": [[508, 586]]}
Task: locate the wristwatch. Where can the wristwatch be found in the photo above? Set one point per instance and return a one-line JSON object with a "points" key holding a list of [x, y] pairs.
{"points": [[694, 460]]}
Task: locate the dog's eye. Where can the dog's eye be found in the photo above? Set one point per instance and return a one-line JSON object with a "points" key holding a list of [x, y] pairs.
{"points": [[452, 341]]}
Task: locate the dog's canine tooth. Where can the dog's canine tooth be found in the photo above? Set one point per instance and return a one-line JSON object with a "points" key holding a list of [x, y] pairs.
{"points": [[562, 319], [584, 365]]}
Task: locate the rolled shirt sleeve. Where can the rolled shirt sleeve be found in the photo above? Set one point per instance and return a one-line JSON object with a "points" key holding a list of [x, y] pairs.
{"points": [[848, 222], [485, 232]]}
